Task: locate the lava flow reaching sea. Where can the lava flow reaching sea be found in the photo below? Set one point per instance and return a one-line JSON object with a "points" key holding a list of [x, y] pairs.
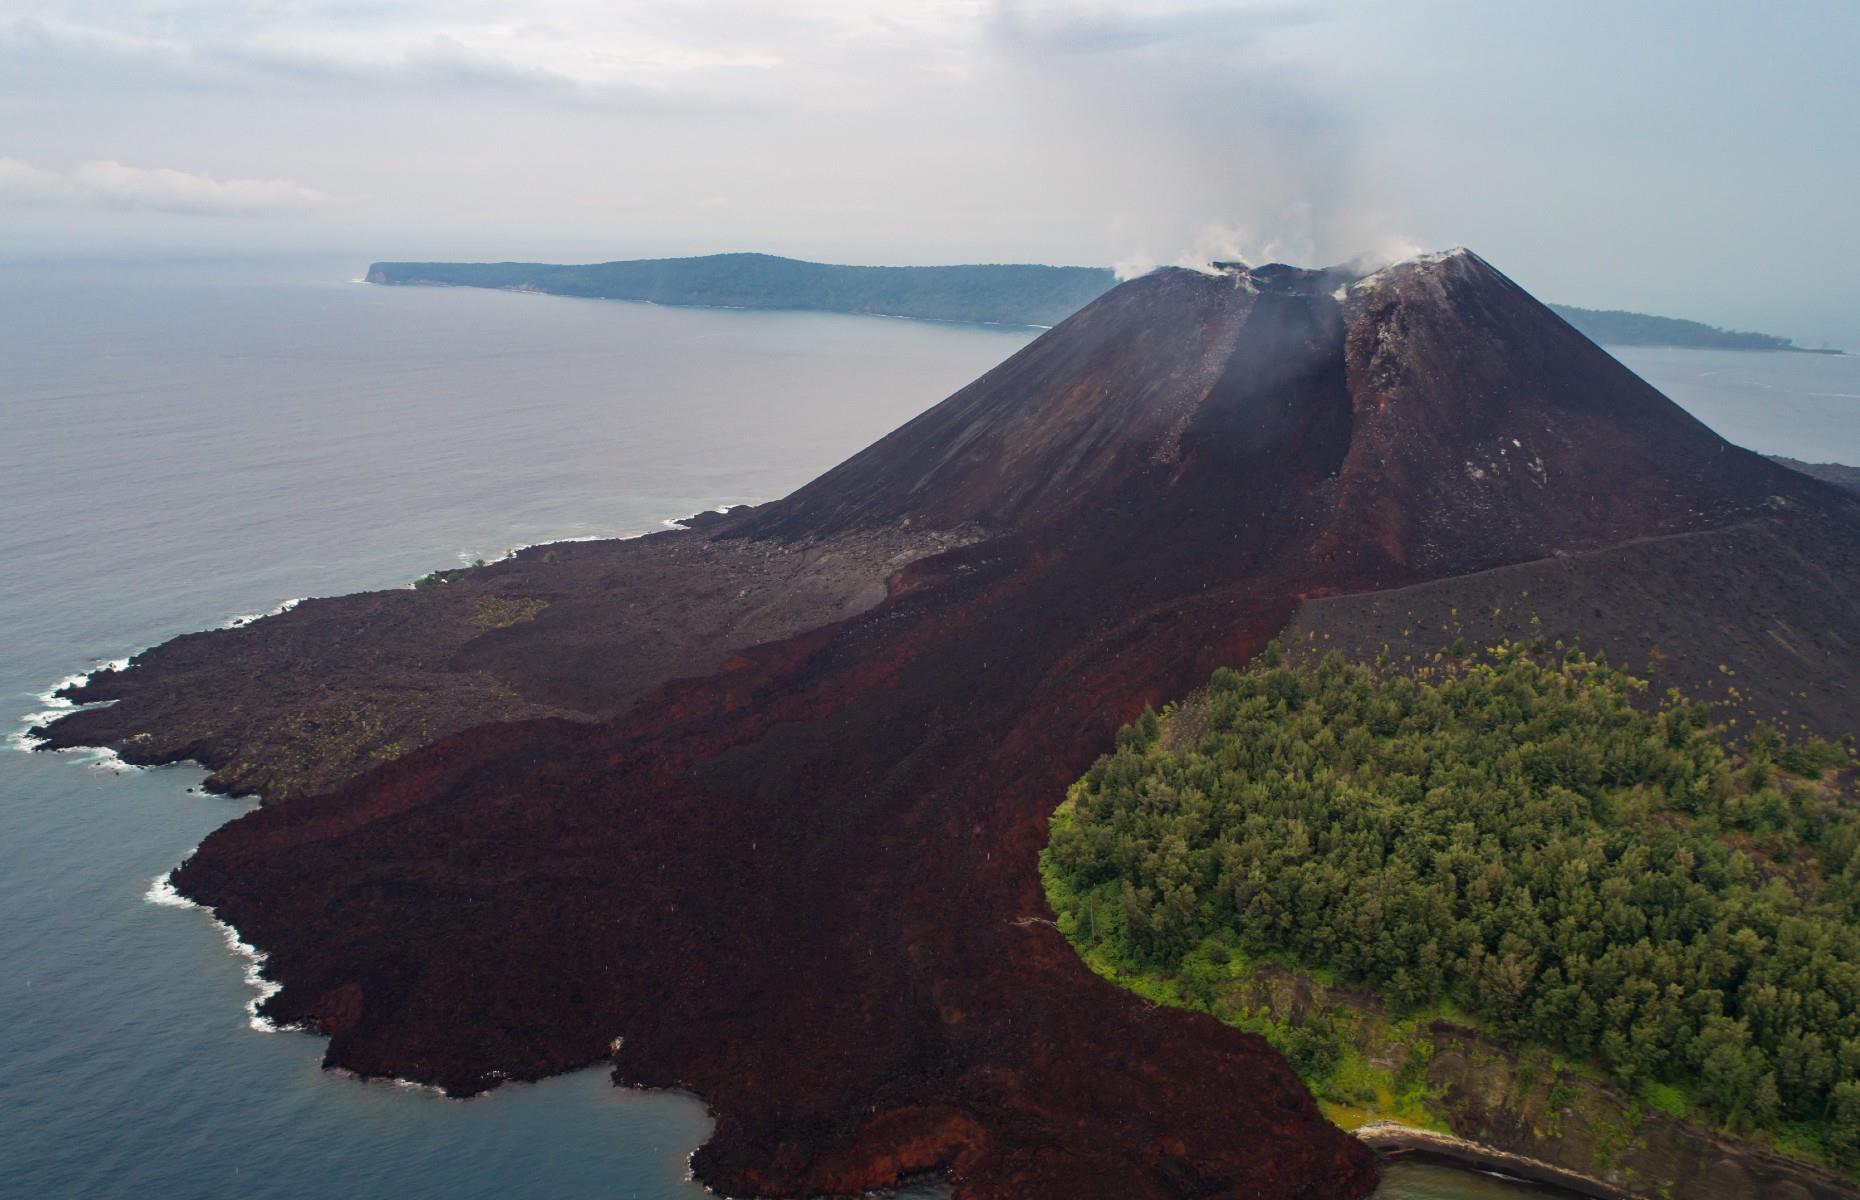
{"points": [[799, 879]]}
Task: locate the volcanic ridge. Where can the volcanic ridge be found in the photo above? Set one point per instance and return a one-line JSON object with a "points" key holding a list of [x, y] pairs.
{"points": [[752, 809]]}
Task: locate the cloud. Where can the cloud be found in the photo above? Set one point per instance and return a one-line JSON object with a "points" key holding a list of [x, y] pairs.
{"points": [[1207, 130], [1079, 129], [23, 183], [418, 55], [1098, 28], [113, 185]]}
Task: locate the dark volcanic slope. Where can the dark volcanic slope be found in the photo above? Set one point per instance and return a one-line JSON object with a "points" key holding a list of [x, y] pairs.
{"points": [[1759, 617], [300, 702], [804, 886]]}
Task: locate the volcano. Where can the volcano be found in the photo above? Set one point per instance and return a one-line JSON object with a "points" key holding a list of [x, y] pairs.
{"points": [[789, 865]]}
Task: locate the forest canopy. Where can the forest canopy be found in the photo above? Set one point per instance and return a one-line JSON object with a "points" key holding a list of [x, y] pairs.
{"points": [[1613, 327], [1531, 839], [1005, 293]]}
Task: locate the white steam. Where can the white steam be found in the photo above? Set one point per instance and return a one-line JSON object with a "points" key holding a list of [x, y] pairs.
{"points": [[1386, 251], [1289, 239]]}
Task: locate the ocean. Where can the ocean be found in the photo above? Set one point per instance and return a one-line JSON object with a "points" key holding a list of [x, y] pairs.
{"points": [[184, 443], [1805, 406]]}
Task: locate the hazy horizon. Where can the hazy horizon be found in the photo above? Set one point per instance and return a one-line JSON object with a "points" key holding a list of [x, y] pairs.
{"points": [[1662, 158]]}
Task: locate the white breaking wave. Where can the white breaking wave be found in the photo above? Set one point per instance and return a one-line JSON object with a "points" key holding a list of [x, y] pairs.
{"points": [[245, 619], [23, 738], [161, 892], [721, 509], [584, 537], [471, 557], [102, 758], [398, 1084], [54, 706]]}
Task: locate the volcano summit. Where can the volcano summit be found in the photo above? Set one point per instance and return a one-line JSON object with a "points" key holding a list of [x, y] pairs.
{"points": [[753, 808]]}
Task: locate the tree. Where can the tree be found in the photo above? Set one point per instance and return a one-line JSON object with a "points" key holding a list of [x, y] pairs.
{"points": [[1521, 835]]}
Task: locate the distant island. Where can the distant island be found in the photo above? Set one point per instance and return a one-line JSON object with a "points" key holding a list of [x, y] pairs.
{"points": [[982, 293], [993, 293], [1612, 327]]}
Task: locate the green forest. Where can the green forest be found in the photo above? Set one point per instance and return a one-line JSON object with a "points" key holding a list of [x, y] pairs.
{"points": [[1528, 840], [1003, 293], [1613, 327]]}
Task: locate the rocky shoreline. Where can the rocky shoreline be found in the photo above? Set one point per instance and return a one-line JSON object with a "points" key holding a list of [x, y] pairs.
{"points": [[1731, 1170], [303, 699], [1392, 1142]]}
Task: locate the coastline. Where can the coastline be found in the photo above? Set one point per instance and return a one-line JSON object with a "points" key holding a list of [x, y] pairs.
{"points": [[529, 290], [52, 704], [162, 893], [1393, 1141], [570, 569]]}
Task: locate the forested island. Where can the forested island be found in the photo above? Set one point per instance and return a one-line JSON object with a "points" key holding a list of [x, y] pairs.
{"points": [[993, 293], [988, 293], [1374, 867], [1613, 327]]}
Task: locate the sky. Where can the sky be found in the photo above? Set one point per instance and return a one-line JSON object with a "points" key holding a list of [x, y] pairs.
{"points": [[1696, 159]]}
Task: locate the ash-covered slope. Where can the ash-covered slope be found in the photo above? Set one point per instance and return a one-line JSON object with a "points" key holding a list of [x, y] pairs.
{"points": [[1442, 416], [1099, 408], [802, 884]]}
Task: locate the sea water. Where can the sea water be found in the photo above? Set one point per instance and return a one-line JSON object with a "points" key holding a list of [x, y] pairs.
{"points": [[1805, 406], [184, 443]]}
